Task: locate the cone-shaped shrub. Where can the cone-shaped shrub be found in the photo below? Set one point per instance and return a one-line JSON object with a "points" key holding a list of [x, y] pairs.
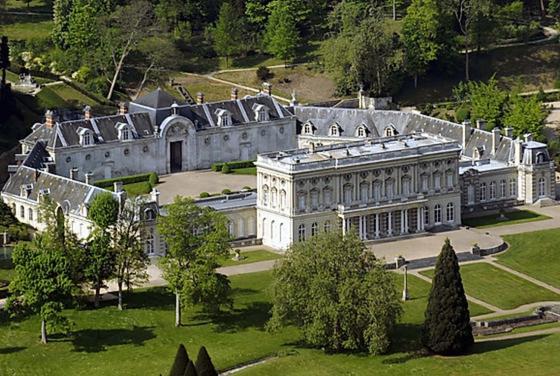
{"points": [[447, 329], [180, 362], [204, 366], [191, 370]]}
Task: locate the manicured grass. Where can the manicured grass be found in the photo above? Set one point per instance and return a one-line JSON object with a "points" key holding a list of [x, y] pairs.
{"points": [[25, 27], [213, 91], [535, 254], [71, 95], [245, 171], [249, 257], [513, 217], [498, 287], [6, 269], [135, 189], [142, 340]]}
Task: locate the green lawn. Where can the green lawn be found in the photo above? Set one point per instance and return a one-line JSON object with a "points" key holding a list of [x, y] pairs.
{"points": [[250, 256], [498, 287], [6, 269], [25, 27], [535, 254], [513, 217], [245, 171], [72, 96]]}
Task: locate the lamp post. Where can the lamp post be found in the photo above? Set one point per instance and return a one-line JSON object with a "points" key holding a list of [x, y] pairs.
{"points": [[405, 296]]}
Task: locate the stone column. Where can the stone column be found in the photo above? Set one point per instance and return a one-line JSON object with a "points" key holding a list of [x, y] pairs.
{"points": [[343, 226], [419, 219], [405, 220], [389, 223], [361, 227], [377, 225], [405, 287]]}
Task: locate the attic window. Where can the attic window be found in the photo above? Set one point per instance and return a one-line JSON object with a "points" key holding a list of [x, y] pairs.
{"points": [[86, 139], [124, 132], [334, 130], [362, 131], [26, 190], [308, 128], [389, 131], [261, 112], [86, 136], [224, 118]]}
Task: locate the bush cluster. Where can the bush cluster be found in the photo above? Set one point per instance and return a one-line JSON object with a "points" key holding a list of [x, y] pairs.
{"points": [[149, 177], [219, 166]]}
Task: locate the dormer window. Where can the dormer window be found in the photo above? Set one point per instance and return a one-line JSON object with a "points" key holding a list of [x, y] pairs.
{"points": [[224, 118], [334, 130], [25, 190], [308, 128], [389, 131], [261, 112], [125, 133], [86, 136], [362, 131]]}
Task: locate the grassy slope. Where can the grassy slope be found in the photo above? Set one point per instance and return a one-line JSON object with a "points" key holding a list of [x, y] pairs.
{"points": [[535, 254], [250, 256], [514, 217], [500, 288]]}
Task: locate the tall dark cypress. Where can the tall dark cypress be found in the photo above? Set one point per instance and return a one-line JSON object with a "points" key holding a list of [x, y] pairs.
{"points": [[191, 370], [204, 366], [180, 362], [447, 329]]}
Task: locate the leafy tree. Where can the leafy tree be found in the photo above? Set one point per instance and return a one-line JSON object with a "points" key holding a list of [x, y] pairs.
{"points": [[204, 366], [525, 115], [554, 8], [337, 293], [281, 37], [195, 237], [487, 101], [4, 59], [191, 369], [160, 54], [99, 262], [227, 33], [447, 329], [466, 14], [180, 362], [420, 27], [61, 20], [104, 211], [131, 262]]}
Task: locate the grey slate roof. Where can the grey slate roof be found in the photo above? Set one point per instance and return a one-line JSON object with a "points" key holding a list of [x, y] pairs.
{"points": [[70, 194], [403, 122], [156, 99]]}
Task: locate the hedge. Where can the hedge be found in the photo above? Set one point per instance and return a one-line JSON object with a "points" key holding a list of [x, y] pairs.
{"points": [[232, 165], [106, 183]]}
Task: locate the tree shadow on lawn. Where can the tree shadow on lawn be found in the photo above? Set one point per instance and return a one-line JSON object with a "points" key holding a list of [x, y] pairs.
{"points": [[253, 315], [151, 298], [11, 350], [98, 340]]}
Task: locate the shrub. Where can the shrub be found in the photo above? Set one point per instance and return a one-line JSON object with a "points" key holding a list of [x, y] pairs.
{"points": [[263, 73], [106, 183], [153, 179], [462, 113], [247, 188], [204, 194], [226, 191], [232, 165], [226, 169], [217, 167]]}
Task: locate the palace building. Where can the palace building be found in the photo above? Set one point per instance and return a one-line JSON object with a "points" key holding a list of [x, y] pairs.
{"points": [[382, 173]]}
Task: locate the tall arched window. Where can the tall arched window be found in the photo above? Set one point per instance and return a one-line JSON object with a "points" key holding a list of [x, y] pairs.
{"points": [[542, 187], [470, 194], [327, 197], [482, 191], [265, 195], [301, 201], [30, 214], [377, 190], [389, 188], [437, 214], [426, 215], [364, 192], [327, 226], [301, 232], [503, 188], [272, 223], [450, 212], [314, 229], [149, 243], [348, 194], [314, 199], [22, 211], [282, 199], [273, 197], [264, 228], [437, 181], [425, 182], [405, 181], [492, 190], [449, 178]]}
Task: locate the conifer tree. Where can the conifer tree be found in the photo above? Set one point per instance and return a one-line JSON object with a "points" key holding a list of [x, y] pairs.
{"points": [[447, 329], [191, 370], [204, 366], [180, 362]]}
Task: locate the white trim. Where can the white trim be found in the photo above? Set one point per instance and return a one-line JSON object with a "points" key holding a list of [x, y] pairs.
{"points": [[62, 139], [243, 112], [207, 113]]}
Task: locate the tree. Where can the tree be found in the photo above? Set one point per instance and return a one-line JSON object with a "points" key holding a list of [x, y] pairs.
{"points": [[99, 262], [196, 237], [420, 27], [487, 101], [191, 369], [466, 13], [4, 59], [124, 29], [180, 362], [447, 328], [228, 32], [160, 54], [204, 366], [61, 19], [104, 211], [281, 37], [337, 293], [43, 280], [131, 262], [525, 115]]}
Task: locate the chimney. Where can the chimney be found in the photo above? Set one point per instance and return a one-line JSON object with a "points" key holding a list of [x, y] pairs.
{"points": [[49, 119], [234, 94], [267, 88], [311, 147], [37, 174], [199, 97], [174, 107], [89, 177], [495, 140], [123, 108], [74, 173], [117, 186], [361, 97], [294, 102], [154, 194], [517, 144], [466, 126], [87, 113], [481, 124], [528, 137], [508, 132]]}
